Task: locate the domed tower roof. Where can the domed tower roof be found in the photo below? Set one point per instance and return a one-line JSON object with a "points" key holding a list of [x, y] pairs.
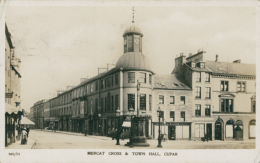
{"points": [[133, 30], [133, 61]]}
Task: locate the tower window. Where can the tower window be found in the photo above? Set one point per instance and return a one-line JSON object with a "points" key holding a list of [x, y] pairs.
{"points": [[130, 43]]}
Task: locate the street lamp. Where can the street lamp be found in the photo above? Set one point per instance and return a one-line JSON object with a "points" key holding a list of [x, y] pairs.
{"points": [[131, 111], [118, 130], [159, 114], [99, 115]]}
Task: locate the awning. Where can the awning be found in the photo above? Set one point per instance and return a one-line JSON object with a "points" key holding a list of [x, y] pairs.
{"points": [[11, 109], [126, 124], [26, 121]]}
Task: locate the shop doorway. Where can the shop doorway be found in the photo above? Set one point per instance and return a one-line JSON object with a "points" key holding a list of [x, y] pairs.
{"points": [[219, 130], [238, 131], [172, 133], [209, 131], [90, 127]]}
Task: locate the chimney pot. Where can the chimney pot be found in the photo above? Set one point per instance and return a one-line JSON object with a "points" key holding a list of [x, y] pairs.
{"points": [[190, 54], [216, 58], [237, 61]]}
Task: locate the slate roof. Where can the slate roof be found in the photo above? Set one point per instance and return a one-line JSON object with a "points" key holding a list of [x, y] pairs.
{"points": [[231, 68], [170, 81]]}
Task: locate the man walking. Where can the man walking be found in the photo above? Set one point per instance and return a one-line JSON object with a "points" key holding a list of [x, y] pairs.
{"points": [[27, 130]]}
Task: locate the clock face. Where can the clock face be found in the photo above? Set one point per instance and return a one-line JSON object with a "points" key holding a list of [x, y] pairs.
{"points": [[136, 40]]}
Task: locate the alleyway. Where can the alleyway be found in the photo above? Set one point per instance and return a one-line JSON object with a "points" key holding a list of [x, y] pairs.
{"points": [[56, 140]]}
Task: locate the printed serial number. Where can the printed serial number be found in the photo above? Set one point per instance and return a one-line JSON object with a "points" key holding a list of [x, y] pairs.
{"points": [[14, 154]]}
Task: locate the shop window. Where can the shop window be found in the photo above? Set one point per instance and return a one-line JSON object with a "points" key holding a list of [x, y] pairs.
{"points": [[131, 101], [199, 130], [142, 101], [142, 78], [224, 86], [172, 100], [207, 77], [198, 92], [182, 102], [198, 76], [241, 86], [207, 110], [172, 115], [161, 99], [208, 92], [227, 105], [131, 77], [198, 111]]}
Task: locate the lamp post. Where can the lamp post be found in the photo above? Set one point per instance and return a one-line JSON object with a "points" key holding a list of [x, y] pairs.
{"points": [[99, 115], [159, 137], [118, 130], [131, 111]]}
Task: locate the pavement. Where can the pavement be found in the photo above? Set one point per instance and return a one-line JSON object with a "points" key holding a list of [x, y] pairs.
{"points": [[47, 139], [31, 144]]}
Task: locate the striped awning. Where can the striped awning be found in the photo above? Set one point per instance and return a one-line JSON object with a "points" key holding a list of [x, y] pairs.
{"points": [[11, 109]]}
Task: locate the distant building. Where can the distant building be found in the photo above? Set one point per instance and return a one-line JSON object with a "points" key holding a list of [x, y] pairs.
{"points": [[13, 111]]}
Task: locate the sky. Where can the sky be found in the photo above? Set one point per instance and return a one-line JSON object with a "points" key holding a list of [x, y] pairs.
{"points": [[60, 45]]}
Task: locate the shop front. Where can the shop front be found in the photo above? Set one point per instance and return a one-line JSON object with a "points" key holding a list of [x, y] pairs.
{"points": [[179, 130]]}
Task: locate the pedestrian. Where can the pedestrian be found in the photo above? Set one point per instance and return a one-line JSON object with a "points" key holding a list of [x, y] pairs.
{"points": [[52, 128], [27, 130], [24, 136], [85, 131], [112, 132]]}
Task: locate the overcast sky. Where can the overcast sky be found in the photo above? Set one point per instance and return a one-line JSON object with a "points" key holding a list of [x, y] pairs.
{"points": [[60, 45]]}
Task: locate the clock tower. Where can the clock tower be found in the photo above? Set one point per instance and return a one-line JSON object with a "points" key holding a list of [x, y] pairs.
{"points": [[132, 38]]}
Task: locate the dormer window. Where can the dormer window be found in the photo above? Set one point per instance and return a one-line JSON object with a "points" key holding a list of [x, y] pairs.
{"points": [[192, 64], [202, 64]]}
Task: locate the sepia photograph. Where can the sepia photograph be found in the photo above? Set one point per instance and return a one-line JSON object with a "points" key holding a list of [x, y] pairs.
{"points": [[144, 78]]}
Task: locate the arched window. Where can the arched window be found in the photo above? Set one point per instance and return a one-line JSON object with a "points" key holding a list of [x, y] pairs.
{"points": [[252, 129], [230, 129]]}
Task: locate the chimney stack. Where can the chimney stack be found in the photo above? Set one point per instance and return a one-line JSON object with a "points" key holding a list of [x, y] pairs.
{"points": [[101, 70], [83, 79], [216, 58], [190, 54], [110, 66]]}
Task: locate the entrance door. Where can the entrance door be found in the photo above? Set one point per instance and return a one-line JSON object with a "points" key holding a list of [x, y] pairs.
{"points": [[209, 131], [171, 133], [90, 127], [238, 133], [218, 132]]}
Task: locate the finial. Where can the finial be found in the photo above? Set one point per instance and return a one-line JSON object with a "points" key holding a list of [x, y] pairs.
{"points": [[133, 8]]}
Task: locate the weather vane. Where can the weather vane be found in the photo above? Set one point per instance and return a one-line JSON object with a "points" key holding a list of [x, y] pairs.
{"points": [[133, 8]]}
